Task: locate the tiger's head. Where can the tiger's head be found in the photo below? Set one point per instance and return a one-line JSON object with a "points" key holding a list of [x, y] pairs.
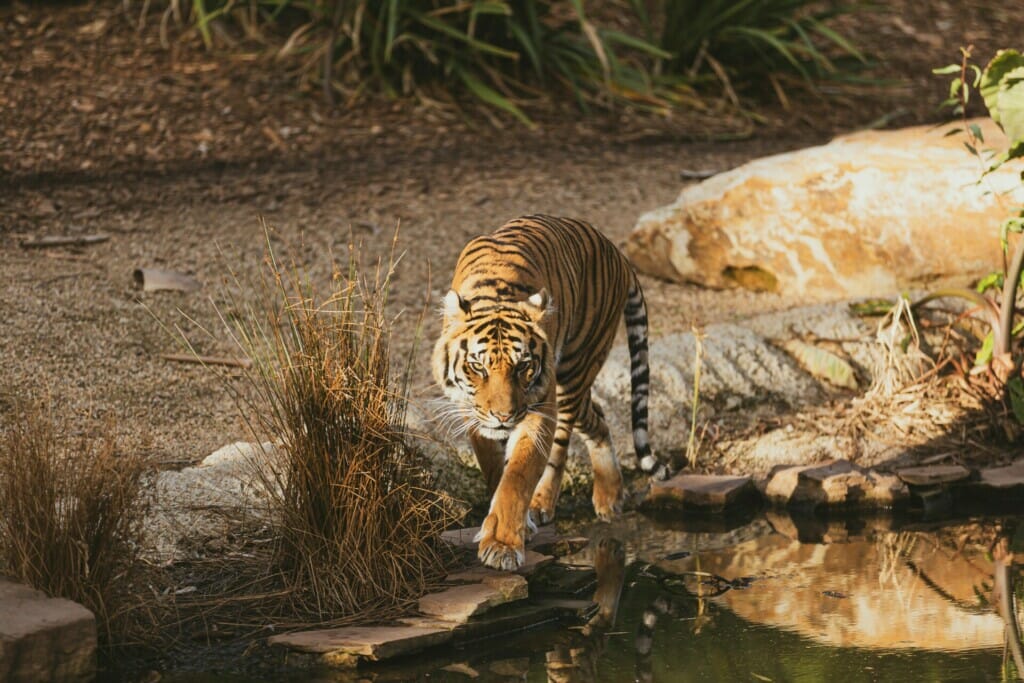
{"points": [[494, 360]]}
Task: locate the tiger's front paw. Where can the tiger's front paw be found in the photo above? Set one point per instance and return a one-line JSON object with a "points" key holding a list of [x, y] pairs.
{"points": [[542, 508], [499, 548], [608, 496]]}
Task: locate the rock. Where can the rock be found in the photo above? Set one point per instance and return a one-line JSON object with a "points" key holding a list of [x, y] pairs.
{"points": [[838, 483], [712, 493], [345, 646], [1003, 482], [867, 214], [933, 475], [459, 603], [191, 503], [480, 573], [546, 541], [43, 638]]}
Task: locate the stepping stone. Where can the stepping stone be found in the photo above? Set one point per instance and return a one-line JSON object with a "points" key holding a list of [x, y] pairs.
{"points": [[1003, 478], [346, 646], [44, 638], [546, 541], [933, 475], [838, 483], [708, 492], [459, 603], [478, 573]]}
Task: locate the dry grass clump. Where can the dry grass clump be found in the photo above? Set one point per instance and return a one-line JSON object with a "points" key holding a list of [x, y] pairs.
{"points": [[70, 514], [355, 523]]}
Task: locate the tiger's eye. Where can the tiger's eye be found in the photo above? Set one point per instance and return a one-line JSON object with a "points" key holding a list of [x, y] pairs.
{"points": [[477, 367]]}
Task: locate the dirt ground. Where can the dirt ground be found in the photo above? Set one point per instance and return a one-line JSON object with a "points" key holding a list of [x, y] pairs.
{"points": [[176, 157]]}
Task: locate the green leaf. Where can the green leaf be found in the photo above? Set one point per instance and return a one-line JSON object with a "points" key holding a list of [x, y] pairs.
{"points": [[492, 97], [822, 364], [635, 43], [984, 355], [871, 307], [993, 280], [441, 27], [952, 131], [976, 131], [1002, 88], [946, 70], [1015, 387]]}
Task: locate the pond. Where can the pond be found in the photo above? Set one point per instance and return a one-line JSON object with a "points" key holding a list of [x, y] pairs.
{"points": [[771, 598]]}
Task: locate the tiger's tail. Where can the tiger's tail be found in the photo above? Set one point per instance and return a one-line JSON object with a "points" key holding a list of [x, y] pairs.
{"points": [[640, 380]]}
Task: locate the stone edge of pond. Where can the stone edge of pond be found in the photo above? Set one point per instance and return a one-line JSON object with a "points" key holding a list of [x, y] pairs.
{"points": [[463, 610], [835, 485]]}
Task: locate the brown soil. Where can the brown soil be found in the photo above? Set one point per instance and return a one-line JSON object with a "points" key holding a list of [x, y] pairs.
{"points": [[176, 156]]}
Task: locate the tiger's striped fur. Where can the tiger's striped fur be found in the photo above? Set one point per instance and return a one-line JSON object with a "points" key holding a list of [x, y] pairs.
{"points": [[528, 323]]}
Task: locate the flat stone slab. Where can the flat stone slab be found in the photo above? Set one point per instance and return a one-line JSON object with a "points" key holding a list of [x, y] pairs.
{"points": [[459, 603], [44, 638], [933, 475], [838, 483], [1003, 478], [346, 645], [546, 541], [704, 491], [479, 573]]}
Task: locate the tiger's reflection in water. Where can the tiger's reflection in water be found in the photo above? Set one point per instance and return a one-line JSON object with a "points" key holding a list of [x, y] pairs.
{"points": [[577, 663]]}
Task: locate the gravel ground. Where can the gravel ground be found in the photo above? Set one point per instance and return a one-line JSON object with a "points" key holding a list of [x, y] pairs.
{"points": [[177, 158]]}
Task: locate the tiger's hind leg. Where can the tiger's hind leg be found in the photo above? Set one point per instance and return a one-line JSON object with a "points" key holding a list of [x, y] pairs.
{"points": [[608, 495], [545, 496]]}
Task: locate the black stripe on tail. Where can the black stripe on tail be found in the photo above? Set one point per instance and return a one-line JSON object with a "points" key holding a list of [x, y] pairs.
{"points": [[640, 380]]}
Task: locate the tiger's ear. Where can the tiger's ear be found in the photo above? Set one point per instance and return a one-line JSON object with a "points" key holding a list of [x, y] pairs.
{"points": [[537, 305], [454, 304]]}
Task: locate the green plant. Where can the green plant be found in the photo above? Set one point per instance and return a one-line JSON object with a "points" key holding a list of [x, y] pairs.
{"points": [[70, 514], [356, 523], [511, 54], [756, 39], [500, 52], [1001, 86]]}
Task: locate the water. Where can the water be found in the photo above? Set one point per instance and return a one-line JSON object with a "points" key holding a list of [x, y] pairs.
{"points": [[774, 599]]}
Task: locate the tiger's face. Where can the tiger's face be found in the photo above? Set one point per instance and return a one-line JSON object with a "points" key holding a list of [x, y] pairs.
{"points": [[493, 361]]}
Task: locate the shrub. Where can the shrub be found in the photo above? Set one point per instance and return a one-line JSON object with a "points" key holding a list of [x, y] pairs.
{"points": [[356, 523], [70, 514], [507, 54], [748, 40]]}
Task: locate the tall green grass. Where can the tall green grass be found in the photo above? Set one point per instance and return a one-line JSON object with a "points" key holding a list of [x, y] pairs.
{"points": [[511, 53]]}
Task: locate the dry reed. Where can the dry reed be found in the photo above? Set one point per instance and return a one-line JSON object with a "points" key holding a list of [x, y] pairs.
{"points": [[356, 524], [70, 514]]}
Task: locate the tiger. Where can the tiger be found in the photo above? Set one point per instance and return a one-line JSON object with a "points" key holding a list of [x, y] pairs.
{"points": [[527, 324]]}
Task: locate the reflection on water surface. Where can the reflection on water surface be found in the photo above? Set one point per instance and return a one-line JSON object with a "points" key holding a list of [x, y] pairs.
{"points": [[774, 599]]}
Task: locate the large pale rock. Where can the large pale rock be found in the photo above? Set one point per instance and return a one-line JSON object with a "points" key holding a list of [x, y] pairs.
{"points": [[867, 214], [206, 500], [44, 639]]}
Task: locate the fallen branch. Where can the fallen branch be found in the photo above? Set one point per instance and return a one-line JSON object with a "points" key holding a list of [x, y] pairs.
{"points": [[49, 241], [207, 360]]}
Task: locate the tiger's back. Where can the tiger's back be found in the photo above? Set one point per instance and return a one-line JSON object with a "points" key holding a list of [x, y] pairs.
{"points": [[529, 322]]}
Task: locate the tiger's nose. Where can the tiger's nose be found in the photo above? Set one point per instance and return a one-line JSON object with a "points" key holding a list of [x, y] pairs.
{"points": [[503, 417]]}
